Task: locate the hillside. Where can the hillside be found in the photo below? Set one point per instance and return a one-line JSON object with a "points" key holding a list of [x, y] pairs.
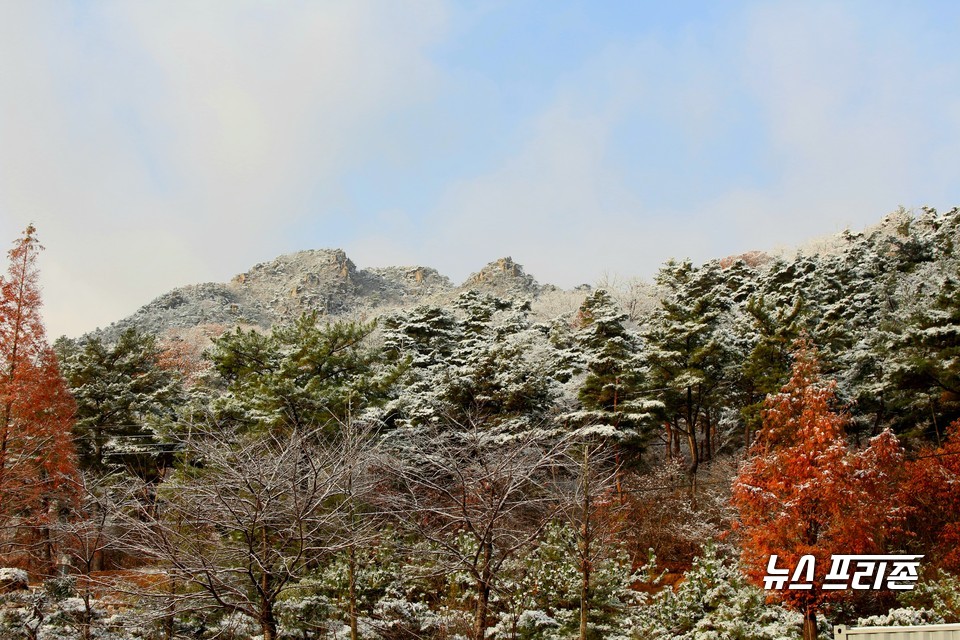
{"points": [[322, 280]]}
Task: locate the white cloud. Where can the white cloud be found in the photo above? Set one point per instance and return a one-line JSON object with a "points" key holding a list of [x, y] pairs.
{"points": [[851, 121], [175, 140], [858, 121], [559, 207], [156, 144]]}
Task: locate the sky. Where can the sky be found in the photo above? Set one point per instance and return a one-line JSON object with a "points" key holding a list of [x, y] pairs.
{"points": [[156, 144]]}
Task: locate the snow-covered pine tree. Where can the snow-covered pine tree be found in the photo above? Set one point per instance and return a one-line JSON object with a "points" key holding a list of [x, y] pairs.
{"points": [[614, 403], [484, 359], [299, 376], [688, 357], [923, 372], [123, 394]]}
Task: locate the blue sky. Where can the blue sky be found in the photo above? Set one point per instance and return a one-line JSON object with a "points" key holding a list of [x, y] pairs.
{"points": [[156, 144]]}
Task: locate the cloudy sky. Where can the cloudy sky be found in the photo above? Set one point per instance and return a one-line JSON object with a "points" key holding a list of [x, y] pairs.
{"points": [[156, 144]]}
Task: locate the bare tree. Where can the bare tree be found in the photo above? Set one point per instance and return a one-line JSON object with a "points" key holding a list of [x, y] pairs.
{"points": [[93, 529], [243, 521], [360, 447], [591, 505], [479, 498], [635, 296]]}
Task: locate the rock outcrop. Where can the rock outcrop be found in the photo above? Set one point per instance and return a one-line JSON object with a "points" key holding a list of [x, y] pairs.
{"points": [[325, 281], [504, 278]]}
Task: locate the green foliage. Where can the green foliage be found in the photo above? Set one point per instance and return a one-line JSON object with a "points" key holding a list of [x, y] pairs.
{"points": [[611, 395], [427, 335], [767, 367], [688, 354], [938, 594], [924, 371], [483, 359], [299, 376], [545, 592], [715, 601], [125, 399]]}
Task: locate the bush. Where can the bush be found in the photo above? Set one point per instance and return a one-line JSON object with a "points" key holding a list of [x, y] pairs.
{"points": [[715, 601], [13, 579]]}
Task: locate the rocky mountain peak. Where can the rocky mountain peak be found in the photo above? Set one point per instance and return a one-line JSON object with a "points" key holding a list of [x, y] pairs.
{"points": [[324, 281], [503, 277], [309, 266]]}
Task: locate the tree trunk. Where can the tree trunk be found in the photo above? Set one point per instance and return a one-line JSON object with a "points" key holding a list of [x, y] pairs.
{"points": [[268, 623], [711, 436], [483, 602], [669, 447], [810, 625], [47, 553], [352, 590], [694, 452], [692, 434], [483, 593], [352, 553], [584, 599], [87, 623], [705, 453], [585, 535]]}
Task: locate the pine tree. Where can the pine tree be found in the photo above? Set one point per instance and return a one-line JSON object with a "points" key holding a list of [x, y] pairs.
{"points": [[483, 359], [123, 396], [37, 462], [300, 376], [688, 356], [923, 373], [426, 334], [767, 367], [611, 395], [506, 365]]}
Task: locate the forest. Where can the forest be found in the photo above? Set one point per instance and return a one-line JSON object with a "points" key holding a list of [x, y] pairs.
{"points": [[617, 467]]}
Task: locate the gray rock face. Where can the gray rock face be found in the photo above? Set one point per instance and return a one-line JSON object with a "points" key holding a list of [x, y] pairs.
{"points": [[322, 280], [504, 278]]}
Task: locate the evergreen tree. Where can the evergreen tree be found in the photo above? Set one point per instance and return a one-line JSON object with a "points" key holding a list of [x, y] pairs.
{"points": [[688, 357], [612, 395], [767, 367], [124, 396], [505, 365], [715, 600], [428, 335], [299, 376], [485, 359], [923, 373]]}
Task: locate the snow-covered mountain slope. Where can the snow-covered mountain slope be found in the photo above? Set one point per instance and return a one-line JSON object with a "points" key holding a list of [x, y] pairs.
{"points": [[321, 280]]}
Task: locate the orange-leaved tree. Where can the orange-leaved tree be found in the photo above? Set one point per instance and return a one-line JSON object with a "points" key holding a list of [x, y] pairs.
{"points": [[37, 461], [804, 491], [932, 503]]}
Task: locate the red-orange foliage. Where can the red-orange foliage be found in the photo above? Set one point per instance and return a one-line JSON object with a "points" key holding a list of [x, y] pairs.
{"points": [[182, 351], [931, 497], [37, 462], [803, 491]]}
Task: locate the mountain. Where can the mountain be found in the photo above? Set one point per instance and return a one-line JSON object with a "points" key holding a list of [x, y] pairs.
{"points": [[321, 280]]}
